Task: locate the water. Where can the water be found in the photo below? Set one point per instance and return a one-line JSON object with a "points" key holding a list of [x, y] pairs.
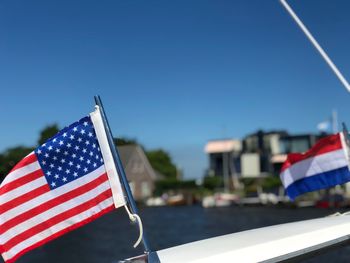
{"points": [[111, 237]]}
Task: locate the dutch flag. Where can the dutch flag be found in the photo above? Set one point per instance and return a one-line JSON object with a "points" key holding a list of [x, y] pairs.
{"points": [[325, 165]]}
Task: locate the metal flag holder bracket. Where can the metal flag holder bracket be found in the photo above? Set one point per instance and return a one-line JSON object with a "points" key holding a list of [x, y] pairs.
{"points": [[152, 257], [135, 218]]}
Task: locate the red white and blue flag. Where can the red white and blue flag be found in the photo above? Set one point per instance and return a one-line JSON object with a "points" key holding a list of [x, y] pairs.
{"points": [[325, 165], [65, 183]]}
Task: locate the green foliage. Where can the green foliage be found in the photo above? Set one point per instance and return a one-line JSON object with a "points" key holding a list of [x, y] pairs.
{"points": [[173, 184], [47, 133], [11, 157], [249, 182], [212, 182], [271, 182], [161, 161], [124, 141]]}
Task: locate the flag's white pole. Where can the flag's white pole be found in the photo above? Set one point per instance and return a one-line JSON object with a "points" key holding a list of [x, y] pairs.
{"points": [[335, 121], [316, 45], [151, 256]]}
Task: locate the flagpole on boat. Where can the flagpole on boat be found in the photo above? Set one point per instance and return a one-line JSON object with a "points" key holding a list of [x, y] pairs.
{"points": [[316, 45], [335, 121], [346, 137], [122, 175]]}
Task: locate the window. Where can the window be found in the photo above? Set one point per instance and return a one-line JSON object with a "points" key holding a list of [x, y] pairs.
{"points": [[145, 189]]}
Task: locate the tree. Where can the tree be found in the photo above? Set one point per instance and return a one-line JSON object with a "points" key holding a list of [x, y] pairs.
{"points": [[161, 161], [167, 184], [11, 157], [48, 132], [124, 141], [271, 182], [213, 182]]}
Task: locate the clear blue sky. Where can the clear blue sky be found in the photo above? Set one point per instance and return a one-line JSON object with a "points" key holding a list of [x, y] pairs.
{"points": [[172, 74]]}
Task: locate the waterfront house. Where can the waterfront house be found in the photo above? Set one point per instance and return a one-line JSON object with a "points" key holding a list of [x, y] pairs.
{"points": [[258, 148], [224, 160], [258, 154], [139, 172]]}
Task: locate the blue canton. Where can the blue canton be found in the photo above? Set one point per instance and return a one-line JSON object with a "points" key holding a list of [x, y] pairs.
{"points": [[70, 154]]}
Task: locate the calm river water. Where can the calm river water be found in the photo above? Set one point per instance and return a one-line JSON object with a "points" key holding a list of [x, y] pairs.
{"points": [[111, 237]]}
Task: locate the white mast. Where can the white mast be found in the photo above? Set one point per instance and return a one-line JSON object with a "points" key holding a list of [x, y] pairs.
{"points": [[316, 45]]}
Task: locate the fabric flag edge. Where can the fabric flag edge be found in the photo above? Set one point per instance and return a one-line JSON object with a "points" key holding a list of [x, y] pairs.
{"points": [[113, 177]]}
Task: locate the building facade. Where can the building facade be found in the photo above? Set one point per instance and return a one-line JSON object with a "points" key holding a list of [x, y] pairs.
{"points": [[224, 160], [257, 155], [258, 148], [139, 172]]}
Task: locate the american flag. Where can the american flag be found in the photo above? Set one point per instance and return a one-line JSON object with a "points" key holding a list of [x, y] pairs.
{"points": [[61, 185]]}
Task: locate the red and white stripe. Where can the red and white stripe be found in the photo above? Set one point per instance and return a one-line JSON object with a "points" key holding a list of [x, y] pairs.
{"points": [[328, 154], [31, 214]]}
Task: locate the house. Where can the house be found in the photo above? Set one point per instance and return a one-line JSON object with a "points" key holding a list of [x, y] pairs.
{"points": [[224, 160], [258, 149], [139, 172], [258, 154]]}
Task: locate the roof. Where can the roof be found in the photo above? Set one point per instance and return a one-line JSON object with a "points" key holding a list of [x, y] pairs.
{"points": [[126, 153], [312, 136], [219, 146], [265, 133], [279, 158]]}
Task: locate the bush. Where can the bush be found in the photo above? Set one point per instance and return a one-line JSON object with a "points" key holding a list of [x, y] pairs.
{"points": [[271, 182], [173, 184], [213, 182]]}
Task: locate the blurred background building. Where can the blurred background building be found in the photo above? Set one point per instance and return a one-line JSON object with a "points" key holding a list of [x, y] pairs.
{"points": [[257, 155], [140, 174]]}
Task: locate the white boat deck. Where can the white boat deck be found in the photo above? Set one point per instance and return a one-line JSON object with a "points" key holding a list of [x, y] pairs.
{"points": [[269, 244]]}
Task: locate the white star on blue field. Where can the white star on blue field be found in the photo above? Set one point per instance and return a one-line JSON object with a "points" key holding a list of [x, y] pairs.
{"points": [[72, 153]]}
